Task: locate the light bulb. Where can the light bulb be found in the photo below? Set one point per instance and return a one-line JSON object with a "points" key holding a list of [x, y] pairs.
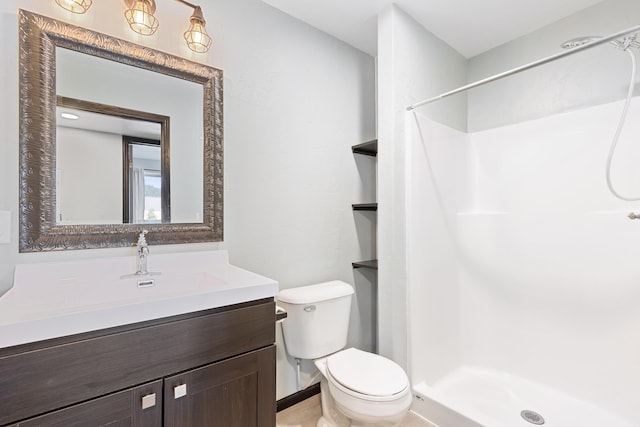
{"points": [[196, 36], [75, 6], [140, 17]]}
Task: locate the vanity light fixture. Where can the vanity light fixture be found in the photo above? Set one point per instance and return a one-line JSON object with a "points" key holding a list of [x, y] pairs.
{"points": [[75, 6], [196, 36], [139, 15]]}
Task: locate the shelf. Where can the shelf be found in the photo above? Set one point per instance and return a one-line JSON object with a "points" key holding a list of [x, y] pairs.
{"points": [[372, 264], [369, 148], [365, 207], [281, 314]]}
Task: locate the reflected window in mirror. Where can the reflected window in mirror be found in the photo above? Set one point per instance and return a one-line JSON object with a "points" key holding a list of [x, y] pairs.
{"points": [[145, 189]]}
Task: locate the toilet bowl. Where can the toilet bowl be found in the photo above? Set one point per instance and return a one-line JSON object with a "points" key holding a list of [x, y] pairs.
{"points": [[368, 389], [358, 388]]}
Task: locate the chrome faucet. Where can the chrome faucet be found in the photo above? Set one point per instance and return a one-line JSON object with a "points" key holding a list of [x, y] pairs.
{"points": [[142, 270], [143, 254]]}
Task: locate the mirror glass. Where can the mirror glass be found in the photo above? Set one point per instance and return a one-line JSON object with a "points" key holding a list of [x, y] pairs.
{"points": [[98, 197], [142, 147]]}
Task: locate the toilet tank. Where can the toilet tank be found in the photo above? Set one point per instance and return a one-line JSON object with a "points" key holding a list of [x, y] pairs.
{"points": [[317, 319]]}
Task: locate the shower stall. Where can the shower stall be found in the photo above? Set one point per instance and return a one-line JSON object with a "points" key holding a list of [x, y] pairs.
{"points": [[523, 268]]}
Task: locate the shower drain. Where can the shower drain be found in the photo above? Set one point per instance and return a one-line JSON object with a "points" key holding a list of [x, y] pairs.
{"points": [[532, 417]]}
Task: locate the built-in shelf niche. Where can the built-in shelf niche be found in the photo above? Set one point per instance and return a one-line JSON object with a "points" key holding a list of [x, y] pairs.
{"points": [[365, 207], [369, 148]]}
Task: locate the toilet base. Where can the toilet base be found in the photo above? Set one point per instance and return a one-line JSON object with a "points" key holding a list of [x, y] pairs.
{"points": [[322, 422], [333, 417]]}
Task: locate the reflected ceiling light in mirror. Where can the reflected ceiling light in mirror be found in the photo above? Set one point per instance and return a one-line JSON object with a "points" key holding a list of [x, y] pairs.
{"points": [[75, 6], [69, 116], [196, 36], [139, 15]]}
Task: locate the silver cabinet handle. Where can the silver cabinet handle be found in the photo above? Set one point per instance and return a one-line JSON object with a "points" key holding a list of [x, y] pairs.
{"points": [[149, 401], [179, 391]]}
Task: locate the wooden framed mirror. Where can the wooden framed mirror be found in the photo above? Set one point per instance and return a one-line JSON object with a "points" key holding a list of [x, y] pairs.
{"points": [[63, 61]]}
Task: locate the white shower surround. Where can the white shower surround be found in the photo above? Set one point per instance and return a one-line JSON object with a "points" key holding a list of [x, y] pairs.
{"points": [[523, 275]]}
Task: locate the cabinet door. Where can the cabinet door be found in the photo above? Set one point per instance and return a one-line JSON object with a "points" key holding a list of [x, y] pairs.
{"points": [[138, 407], [237, 392]]}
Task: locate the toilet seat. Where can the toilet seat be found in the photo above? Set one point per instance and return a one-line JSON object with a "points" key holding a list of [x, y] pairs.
{"points": [[366, 375]]}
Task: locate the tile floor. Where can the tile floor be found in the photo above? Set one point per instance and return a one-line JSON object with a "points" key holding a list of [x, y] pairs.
{"points": [[307, 412]]}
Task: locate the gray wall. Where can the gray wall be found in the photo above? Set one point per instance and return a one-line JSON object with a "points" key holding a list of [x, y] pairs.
{"points": [[295, 101], [588, 78], [413, 64]]}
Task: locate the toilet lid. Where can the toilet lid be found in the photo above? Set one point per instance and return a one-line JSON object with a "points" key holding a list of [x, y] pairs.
{"points": [[367, 373]]}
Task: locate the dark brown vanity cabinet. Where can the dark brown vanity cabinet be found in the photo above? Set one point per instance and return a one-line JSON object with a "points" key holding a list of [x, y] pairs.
{"points": [[206, 369], [118, 409], [233, 393]]}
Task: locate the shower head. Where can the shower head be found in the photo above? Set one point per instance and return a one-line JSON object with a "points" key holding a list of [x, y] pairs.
{"points": [[622, 44]]}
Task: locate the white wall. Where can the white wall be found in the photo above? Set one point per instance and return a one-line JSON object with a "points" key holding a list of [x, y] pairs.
{"points": [[88, 177], [295, 101], [412, 65]]}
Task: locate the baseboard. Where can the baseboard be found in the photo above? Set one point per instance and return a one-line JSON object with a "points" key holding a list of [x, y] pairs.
{"points": [[297, 397]]}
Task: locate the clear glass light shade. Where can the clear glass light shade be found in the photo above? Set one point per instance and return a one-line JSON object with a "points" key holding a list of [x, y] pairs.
{"points": [[140, 18], [75, 6], [197, 38]]}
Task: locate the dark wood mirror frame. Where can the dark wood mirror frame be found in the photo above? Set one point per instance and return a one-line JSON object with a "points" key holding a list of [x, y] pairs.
{"points": [[38, 38]]}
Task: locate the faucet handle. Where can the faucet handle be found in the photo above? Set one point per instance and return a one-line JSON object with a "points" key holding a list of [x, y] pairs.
{"points": [[142, 241]]}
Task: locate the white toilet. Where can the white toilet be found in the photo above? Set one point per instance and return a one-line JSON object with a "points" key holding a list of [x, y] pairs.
{"points": [[358, 388]]}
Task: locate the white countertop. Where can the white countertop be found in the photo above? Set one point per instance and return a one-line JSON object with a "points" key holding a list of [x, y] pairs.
{"points": [[51, 300]]}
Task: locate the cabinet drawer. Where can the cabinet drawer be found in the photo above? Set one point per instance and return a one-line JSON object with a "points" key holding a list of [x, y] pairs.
{"points": [[41, 380]]}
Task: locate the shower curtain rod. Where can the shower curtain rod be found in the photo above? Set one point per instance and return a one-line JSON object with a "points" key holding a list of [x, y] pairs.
{"points": [[527, 66]]}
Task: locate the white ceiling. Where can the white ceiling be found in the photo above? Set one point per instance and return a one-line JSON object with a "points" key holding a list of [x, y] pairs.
{"points": [[98, 122], [469, 26]]}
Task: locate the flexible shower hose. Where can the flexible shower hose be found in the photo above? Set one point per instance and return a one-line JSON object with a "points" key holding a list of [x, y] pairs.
{"points": [[621, 121]]}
